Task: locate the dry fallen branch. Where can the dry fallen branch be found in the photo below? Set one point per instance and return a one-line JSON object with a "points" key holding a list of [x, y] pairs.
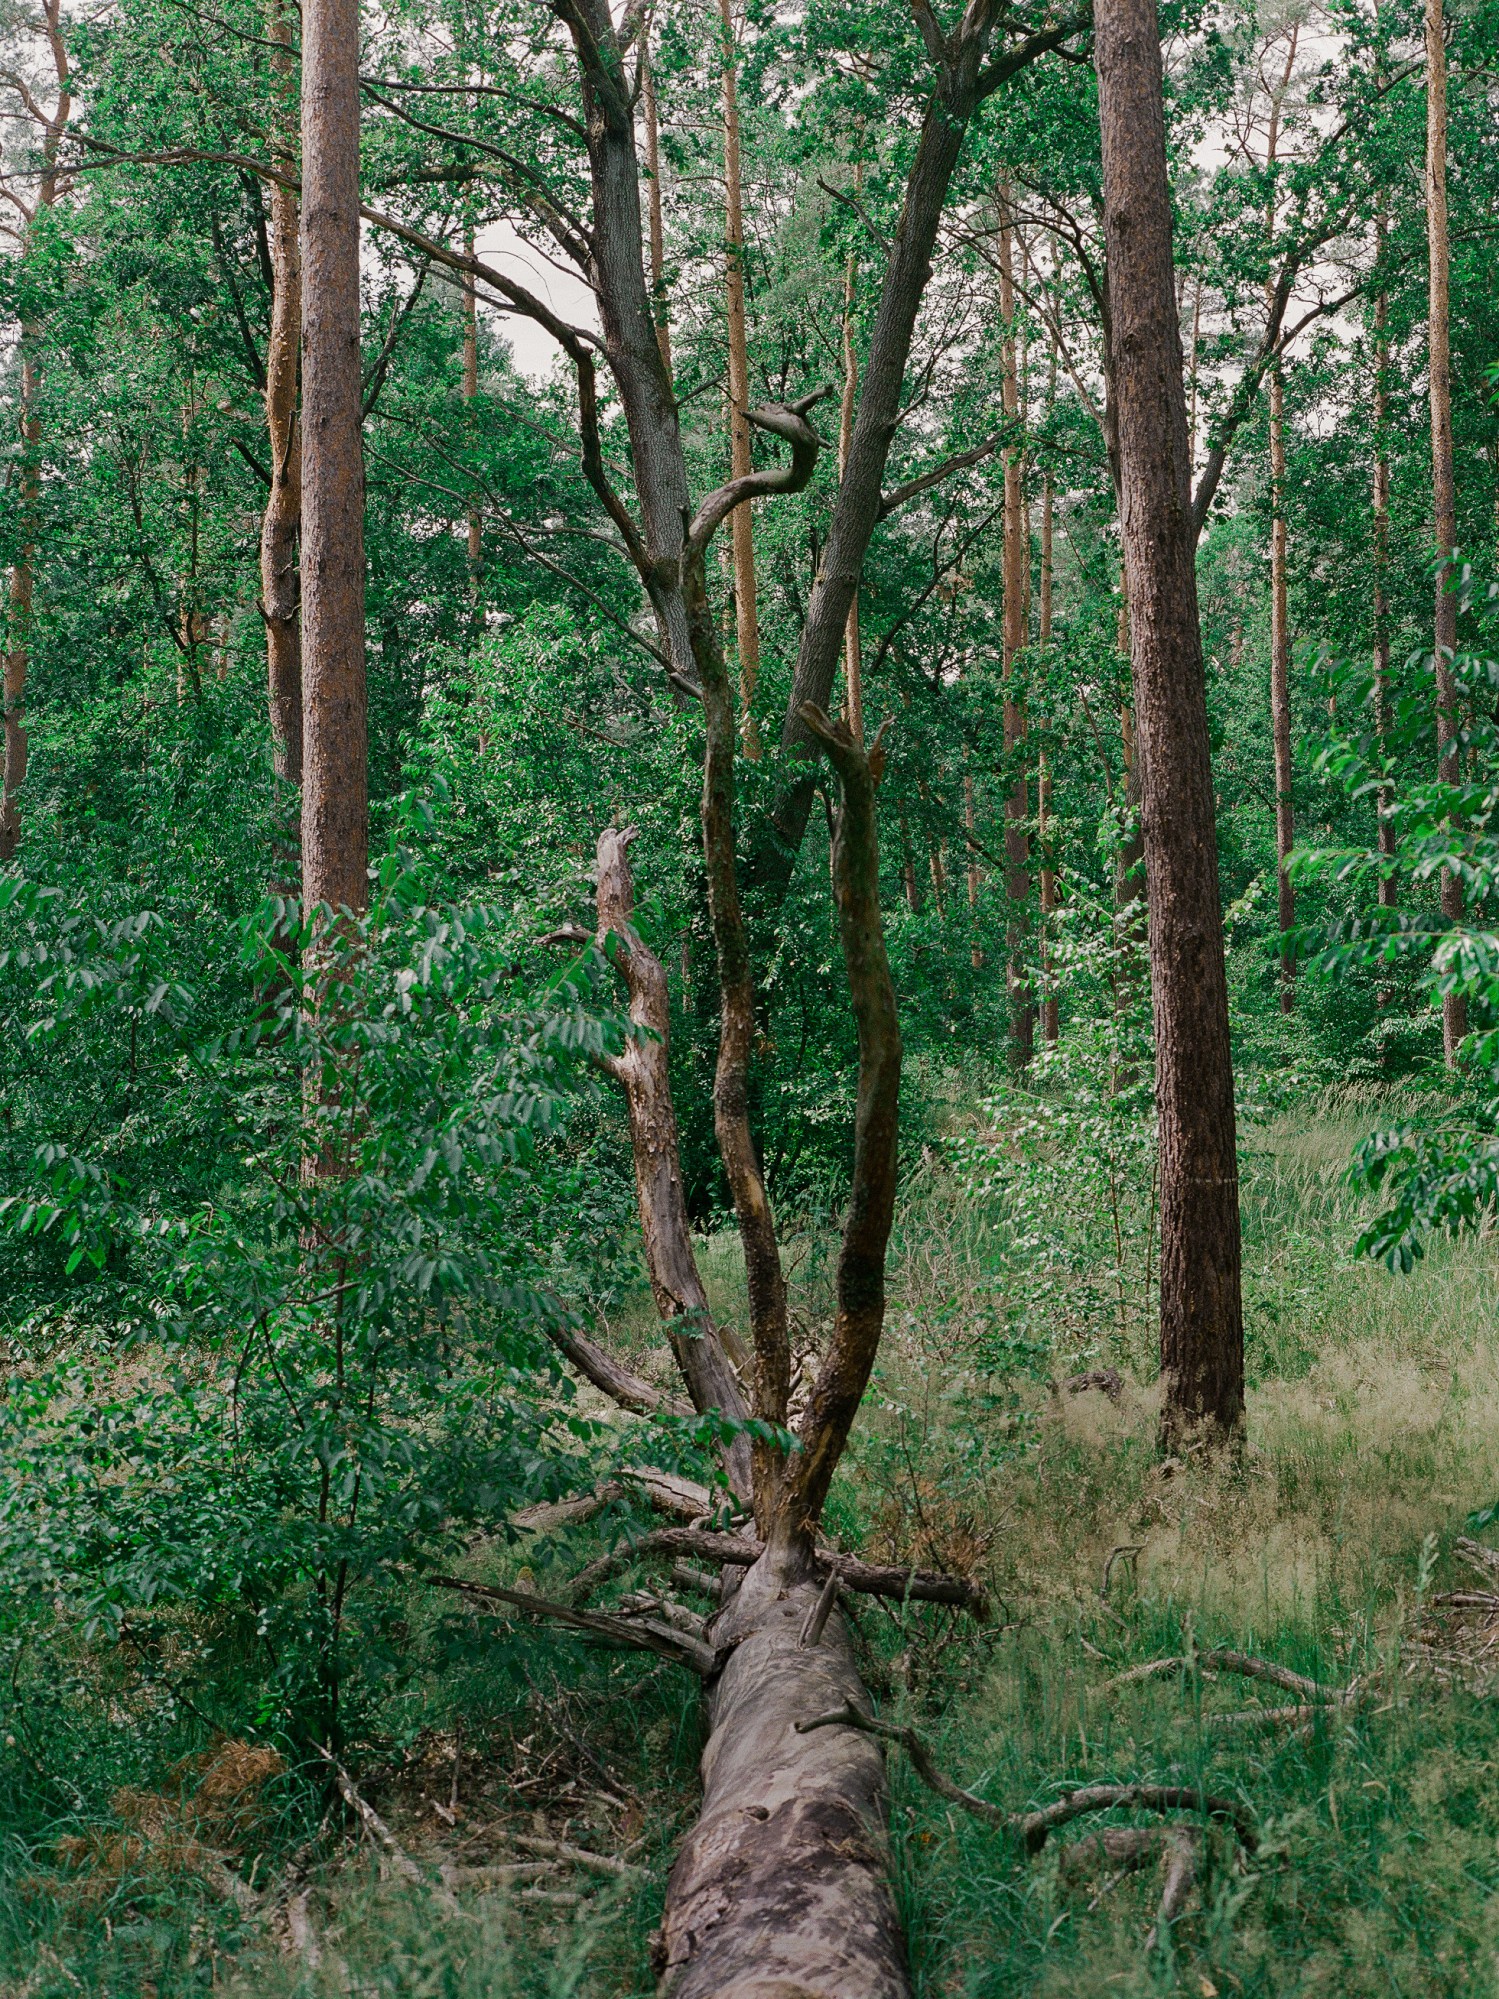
{"points": [[1128, 1848], [1033, 1829], [645, 1634], [1220, 1660], [579, 1856], [868, 1578]]}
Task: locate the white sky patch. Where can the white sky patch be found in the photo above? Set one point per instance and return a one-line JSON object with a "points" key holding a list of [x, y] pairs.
{"points": [[562, 290]]}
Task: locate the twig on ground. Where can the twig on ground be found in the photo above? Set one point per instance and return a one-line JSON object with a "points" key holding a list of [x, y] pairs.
{"points": [[1220, 1660], [1034, 1828], [400, 1860], [1129, 1551], [580, 1856]]}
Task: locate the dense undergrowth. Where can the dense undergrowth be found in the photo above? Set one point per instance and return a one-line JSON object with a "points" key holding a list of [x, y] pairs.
{"points": [[137, 1774]]}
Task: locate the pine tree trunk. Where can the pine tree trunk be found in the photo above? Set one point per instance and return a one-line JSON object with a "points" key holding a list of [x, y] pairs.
{"points": [[746, 604], [470, 397], [1389, 887], [1014, 635], [279, 592], [1050, 1015], [1201, 1326], [335, 779], [1443, 488], [21, 600], [1280, 695], [21, 597]]}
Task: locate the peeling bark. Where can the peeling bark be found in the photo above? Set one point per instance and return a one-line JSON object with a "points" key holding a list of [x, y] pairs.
{"points": [[781, 1888], [643, 1071]]}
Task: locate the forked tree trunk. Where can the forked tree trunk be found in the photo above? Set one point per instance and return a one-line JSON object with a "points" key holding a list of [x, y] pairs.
{"points": [[742, 528], [782, 1887], [1202, 1332], [279, 592], [335, 778], [1443, 486]]}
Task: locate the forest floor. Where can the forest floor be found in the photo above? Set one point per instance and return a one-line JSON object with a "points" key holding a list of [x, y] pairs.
{"points": [[1328, 1550]]}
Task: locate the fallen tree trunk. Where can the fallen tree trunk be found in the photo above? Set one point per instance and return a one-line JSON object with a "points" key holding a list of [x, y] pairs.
{"points": [[781, 1890]]}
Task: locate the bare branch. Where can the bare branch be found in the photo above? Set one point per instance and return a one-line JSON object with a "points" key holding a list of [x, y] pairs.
{"points": [[784, 420]]}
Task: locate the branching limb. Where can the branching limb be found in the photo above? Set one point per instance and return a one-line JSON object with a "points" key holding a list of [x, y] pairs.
{"points": [[612, 1378], [860, 1316], [643, 1634], [783, 420], [1033, 1829]]}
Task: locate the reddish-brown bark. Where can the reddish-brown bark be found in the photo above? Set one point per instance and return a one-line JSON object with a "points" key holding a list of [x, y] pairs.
{"points": [[279, 580], [1201, 1327], [335, 779]]}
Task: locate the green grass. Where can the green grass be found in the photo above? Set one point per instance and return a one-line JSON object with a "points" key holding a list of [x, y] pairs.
{"points": [[1373, 1431]]}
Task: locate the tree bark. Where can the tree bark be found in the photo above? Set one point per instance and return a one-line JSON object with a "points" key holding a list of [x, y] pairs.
{"points": [[1016, 569], [1201, 1323], [964, 81], [1389, 887], [1280, 637], [853, 655], [1280, 695], [470, 397], [335, 777], [660, 311], [1443, 487], [741, 458], [21, 600], [1050, 1012], [644, 1072], [283, 508]]}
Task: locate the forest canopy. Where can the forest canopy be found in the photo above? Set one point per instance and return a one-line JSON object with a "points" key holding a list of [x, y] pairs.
{"points": [[749, 1017]]}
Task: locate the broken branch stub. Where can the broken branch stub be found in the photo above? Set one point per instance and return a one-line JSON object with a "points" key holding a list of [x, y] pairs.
{"points": [[643, 1072]]}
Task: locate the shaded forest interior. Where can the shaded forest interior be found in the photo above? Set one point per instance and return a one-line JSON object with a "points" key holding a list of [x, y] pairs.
{"points": [[747, 1020]]}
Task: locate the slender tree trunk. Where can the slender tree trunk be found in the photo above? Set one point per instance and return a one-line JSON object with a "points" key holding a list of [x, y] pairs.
{"points": [[335, 778], [470, 397], [279, 591], [853, 657], [746, 604], [1202, 1331], [1389, 887], [21, 597], [1050, 1015], [659, 304], [908, 865], [1280, 637], [1280, 695], [1443, 488], [1014, 635]]}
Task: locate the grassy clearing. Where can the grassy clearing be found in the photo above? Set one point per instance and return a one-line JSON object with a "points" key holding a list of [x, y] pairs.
{"points": [[1374, 1430]]}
